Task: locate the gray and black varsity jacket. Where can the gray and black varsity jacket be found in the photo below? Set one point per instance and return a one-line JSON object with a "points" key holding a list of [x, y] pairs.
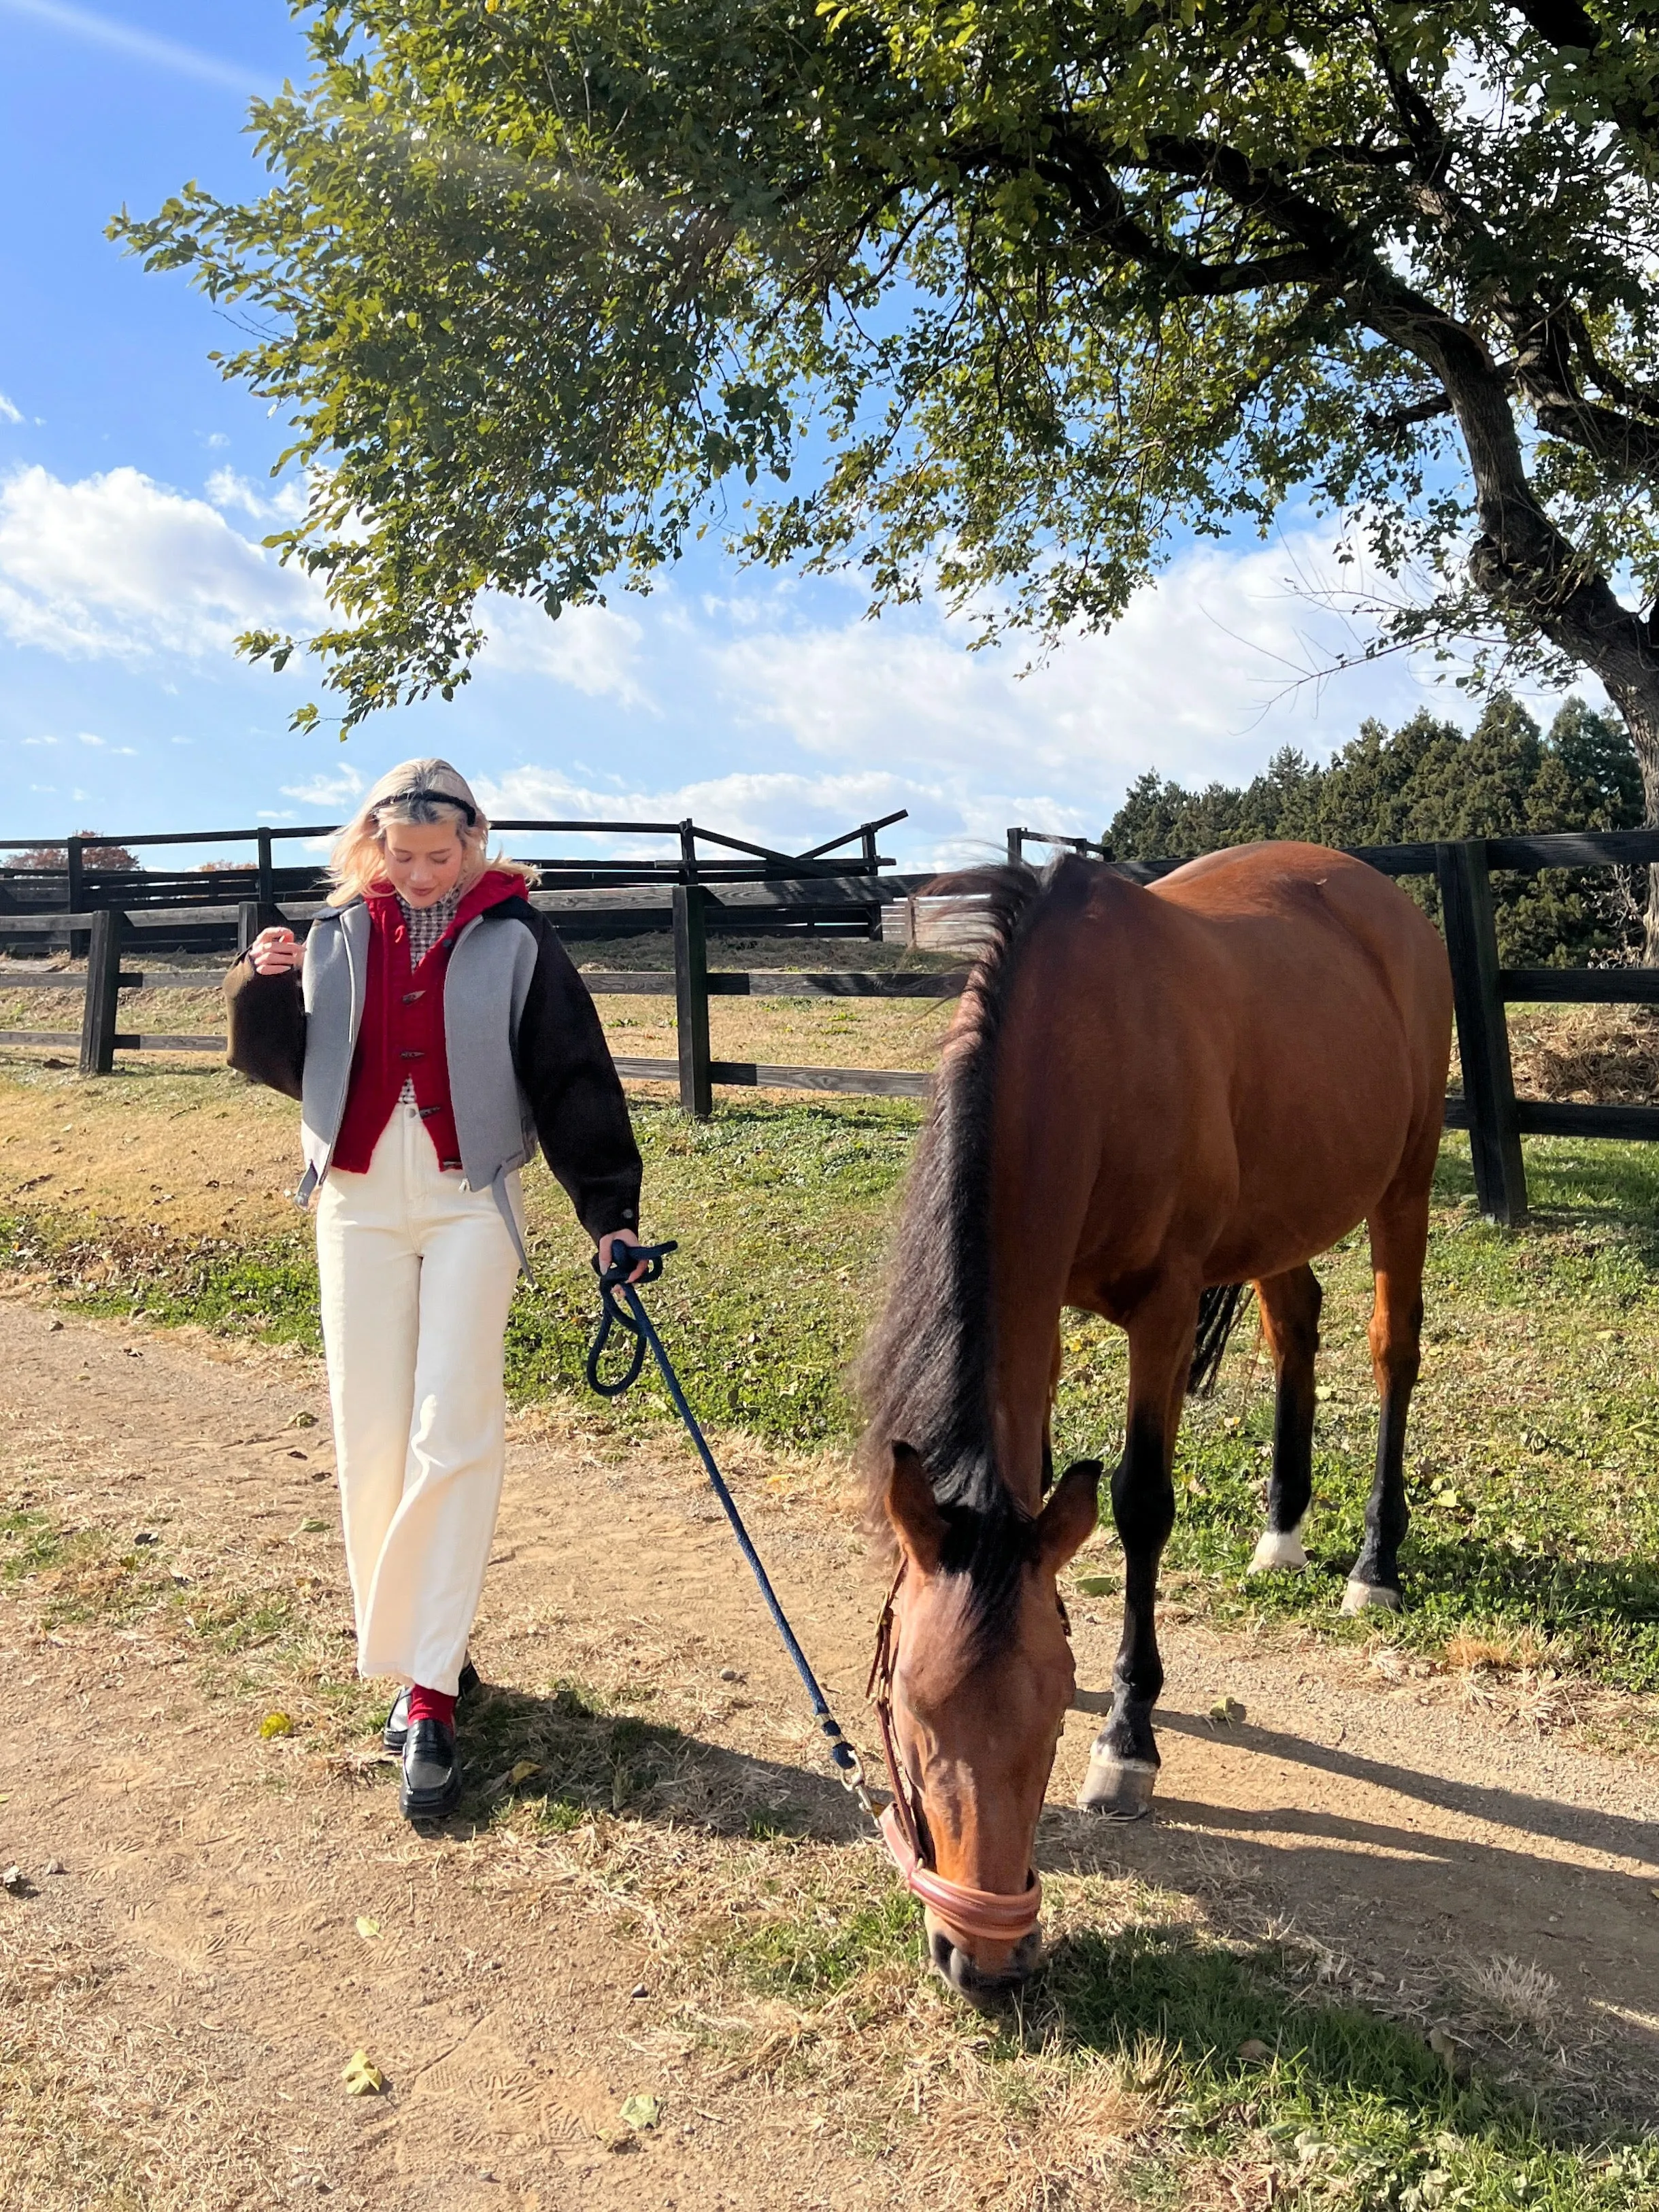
{"points": [[528, 1057]]}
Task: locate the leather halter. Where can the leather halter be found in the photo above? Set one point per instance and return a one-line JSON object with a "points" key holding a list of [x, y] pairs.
{"points": [[988, 1915]]}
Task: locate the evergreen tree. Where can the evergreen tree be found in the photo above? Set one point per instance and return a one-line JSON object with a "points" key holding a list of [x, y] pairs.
{"points": [[1429, 781]]}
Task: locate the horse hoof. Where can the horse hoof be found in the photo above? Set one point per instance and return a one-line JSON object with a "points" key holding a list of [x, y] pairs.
{"points": [[1278, 1547], [1118, 1789], [1358, 1596]]}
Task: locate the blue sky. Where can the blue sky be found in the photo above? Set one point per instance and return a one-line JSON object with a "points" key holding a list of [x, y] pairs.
{"points": [[134, 489]]}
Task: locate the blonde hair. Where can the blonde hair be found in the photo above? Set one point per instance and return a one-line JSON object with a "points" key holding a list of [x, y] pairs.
{"points": [[422, 793]]}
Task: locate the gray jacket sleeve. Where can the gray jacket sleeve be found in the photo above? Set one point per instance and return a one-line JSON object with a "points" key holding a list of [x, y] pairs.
{"points": [[266, 1018]]}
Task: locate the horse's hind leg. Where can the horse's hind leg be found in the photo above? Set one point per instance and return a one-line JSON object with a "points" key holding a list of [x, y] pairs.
{"points": [[1290, 1321], [1124, 1761], [1400, 1240]]}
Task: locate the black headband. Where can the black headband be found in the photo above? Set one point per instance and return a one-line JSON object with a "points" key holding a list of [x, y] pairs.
{"points": [[443, 798]]}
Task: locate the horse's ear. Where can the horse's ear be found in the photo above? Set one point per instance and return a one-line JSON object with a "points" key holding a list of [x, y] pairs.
{"points": [[1067, 1521], [914, 1510]]}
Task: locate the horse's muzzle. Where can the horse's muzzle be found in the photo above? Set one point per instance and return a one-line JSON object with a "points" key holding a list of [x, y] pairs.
{"points": [[981, 1986], [959, 1918]]}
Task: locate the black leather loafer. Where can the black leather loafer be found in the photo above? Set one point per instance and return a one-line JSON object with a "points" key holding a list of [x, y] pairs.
{"points": [[397, 1721], [432, 1772]]}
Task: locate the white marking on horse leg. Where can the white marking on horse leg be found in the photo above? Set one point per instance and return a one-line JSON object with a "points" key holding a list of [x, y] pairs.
{"points": [[1118, 1789], [1279, 1547], [1358, 1596]]}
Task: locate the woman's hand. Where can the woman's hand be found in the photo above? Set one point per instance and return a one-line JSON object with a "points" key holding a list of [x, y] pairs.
{"points": [[606, 1244], [274, 951]]}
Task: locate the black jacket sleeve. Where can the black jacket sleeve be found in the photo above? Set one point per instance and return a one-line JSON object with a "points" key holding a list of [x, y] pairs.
{"points": [[266, 1018], [581, 1115]]}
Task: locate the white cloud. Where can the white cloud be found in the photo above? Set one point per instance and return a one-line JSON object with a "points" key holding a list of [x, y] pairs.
{"points": [[595, 649], [784, 809], [1190, 678], [1200, 680], [286, 503], [325, 790], [119, 566], [8, 412]]}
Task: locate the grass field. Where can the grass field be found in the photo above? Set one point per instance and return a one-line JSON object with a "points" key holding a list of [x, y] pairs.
{"points": [[1535, 1534], [1164, 2060]]}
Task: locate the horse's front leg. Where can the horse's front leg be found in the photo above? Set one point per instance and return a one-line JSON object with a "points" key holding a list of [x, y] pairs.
{"points": [[1123, 1763]]}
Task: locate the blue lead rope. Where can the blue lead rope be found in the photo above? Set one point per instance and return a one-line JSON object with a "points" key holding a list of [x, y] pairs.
{"points": [[634, 1321]]}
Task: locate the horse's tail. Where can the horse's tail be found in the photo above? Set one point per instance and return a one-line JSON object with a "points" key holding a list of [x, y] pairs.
{"points": [[1218, 1312]]}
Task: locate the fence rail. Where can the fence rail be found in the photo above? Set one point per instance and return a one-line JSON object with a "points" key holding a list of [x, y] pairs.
{"points": [[1487, 1107]]}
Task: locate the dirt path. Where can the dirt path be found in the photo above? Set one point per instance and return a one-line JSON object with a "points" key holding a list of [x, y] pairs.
{"points": [[183, 1988]]}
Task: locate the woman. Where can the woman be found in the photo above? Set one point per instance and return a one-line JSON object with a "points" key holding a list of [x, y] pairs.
{"points": [[439, 1032]]}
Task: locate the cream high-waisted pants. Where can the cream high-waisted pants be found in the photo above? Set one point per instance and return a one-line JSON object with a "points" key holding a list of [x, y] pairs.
{"points": [[416, 1274]]}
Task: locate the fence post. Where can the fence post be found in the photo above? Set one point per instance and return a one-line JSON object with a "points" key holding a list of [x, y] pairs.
{"points": [[265, 887], [1016, 847], [103, 990], [1483, 1034], [691, 997], [75, 893]]}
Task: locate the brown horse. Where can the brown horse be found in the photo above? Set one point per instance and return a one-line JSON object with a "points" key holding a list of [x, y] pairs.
{"points": [[1146, 1096]]}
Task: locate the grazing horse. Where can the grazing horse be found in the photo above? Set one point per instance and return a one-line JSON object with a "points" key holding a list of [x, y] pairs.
{"points": [[1147, 1098]]}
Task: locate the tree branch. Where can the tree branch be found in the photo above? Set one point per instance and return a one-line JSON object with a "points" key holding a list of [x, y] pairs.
{"points": [[1084, 173]]}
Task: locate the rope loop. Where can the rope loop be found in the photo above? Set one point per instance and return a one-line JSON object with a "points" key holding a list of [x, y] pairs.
{"points": [[613, 1316]]}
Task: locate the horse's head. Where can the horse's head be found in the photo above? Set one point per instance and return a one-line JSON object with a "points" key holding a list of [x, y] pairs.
{"points": [[981, 1679]]}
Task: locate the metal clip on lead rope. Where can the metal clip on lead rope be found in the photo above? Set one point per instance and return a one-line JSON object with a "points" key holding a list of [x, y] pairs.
{"points": [[631, 1317]]}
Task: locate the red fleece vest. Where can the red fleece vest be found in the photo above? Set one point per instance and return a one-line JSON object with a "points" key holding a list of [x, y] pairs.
{"points": [[402, 1036]]}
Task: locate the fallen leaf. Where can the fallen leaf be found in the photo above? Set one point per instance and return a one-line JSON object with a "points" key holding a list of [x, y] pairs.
{"points": [[275, 1724], [361, 2077], [1254, 2051], [369, 1930], [1443, 2049], [1227, 1712], [1097, 1585], [640, 2112], [521, 1770]]}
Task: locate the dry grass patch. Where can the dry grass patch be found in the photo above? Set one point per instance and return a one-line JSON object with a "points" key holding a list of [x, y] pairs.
{"points": [[1586, 1053], [102, 2111], [1500, 1655]]}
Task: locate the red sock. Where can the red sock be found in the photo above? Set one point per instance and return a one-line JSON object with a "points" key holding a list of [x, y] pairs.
{"points": [[430, 1705]]}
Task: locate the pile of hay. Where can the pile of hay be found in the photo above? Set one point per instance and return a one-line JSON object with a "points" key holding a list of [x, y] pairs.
{"points": [[1586, 1053]]}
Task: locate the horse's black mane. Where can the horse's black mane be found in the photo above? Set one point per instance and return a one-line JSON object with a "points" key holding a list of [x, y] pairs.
{"points": [[924, 1376]]}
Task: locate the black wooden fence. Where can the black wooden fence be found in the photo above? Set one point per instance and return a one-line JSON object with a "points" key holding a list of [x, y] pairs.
{"points": [[683, 909], [200, 904], [1487, 1106]]}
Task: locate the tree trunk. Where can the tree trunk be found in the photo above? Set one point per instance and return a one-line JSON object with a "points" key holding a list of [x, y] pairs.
{"points": [[1526, 564]]}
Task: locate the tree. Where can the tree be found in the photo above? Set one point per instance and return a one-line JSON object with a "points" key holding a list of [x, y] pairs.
{"points": [[1427, 780], [1007, 296], [92, 856]]}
